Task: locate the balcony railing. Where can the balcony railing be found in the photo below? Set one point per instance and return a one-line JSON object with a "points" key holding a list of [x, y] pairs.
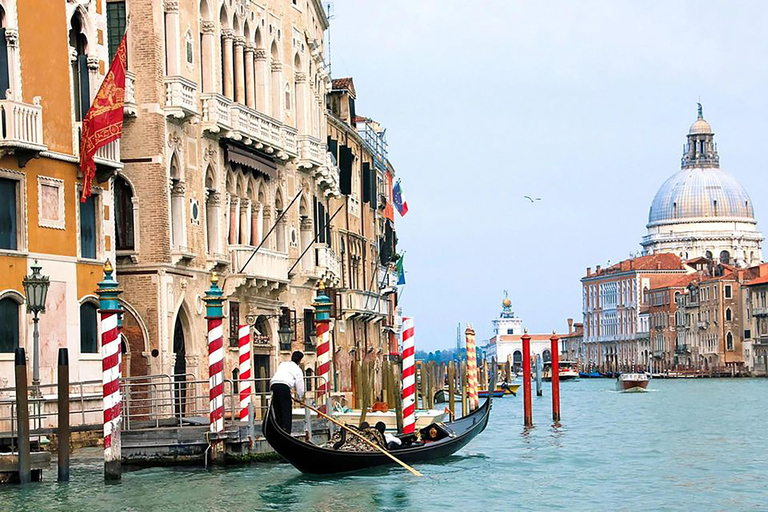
{"points": [[180, 97], [682, 348], [239, 122], [109, 155], [311, 152], [216, 115], [328, 264], [130, 108], [265, 264], [22, 125], [761, 311], [702, 325], [366, 303]]}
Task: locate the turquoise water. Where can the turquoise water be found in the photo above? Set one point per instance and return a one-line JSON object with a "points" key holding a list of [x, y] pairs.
{"points": [[686, 445]]}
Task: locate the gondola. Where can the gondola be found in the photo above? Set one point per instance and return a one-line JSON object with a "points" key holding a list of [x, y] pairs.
{"points": [[313, 459]]}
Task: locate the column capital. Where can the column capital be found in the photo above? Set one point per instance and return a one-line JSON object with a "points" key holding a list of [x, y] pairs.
{"points": [[249, 48], [208, 27], [277, 65], [300, 77], [213, 197], [260, 54], [12, 37], [172, 6], [93, 62], [245, 204], [239, 41], [227, 34], [178, 187]]}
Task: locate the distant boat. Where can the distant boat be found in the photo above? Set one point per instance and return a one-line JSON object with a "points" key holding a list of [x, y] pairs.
{"points": [[590, 375], [567, 371], [441, 396], [632, 382]]}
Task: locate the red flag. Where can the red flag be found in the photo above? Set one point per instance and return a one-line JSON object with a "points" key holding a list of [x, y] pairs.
{"points": [[103, 122]]}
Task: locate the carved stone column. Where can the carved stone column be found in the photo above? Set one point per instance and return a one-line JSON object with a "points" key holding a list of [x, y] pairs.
{"points": [[260, 72], [301, 103], [250, 93], [239, 70], [276, 90], [208, 57], [245, 221], [227, 41], [172, 37]]}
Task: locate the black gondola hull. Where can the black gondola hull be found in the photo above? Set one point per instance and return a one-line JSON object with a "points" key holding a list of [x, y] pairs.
{"points": [[313, 459]]}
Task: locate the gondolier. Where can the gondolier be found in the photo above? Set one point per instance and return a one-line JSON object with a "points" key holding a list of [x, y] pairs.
{"points": [[287, 377]]}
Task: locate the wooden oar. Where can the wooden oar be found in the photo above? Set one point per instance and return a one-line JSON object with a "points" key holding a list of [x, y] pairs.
{"points": [[368, 441]]}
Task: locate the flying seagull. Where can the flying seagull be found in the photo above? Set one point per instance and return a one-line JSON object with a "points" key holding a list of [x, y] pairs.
{"points": [[532, 199]]}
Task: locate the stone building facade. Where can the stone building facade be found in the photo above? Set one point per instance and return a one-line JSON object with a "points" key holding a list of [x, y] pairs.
{"points": [[226, 153], [231, 148], [47, 78]]}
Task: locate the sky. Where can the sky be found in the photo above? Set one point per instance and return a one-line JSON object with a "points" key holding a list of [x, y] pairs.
{"points": [[584, 104]]}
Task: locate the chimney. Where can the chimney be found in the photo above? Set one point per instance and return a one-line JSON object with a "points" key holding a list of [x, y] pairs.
{"points": [[570, 325], [589, 271], [597, 269]]}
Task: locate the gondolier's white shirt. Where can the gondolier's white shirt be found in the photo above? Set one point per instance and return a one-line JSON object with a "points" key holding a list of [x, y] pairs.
{"points": [[290, 374]]}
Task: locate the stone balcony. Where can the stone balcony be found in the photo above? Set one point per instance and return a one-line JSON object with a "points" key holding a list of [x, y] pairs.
{"points": [[130, 108], [327, 176], [759, 311], [180, 97], [109, 155], [237, 122], [328, 264], [268, 268], [368, 305], [311, 152], [21, 130]]}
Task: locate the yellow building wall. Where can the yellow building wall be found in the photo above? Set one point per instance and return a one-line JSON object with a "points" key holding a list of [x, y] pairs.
{"points": [[14, 270], [88, 277], [45, 68]]}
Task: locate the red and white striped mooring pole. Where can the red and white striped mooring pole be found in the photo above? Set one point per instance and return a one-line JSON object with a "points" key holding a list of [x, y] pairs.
{"points": [[244, 375], [112, 401], [474, 401], [409, 378], [213, 304], [322, 306]]}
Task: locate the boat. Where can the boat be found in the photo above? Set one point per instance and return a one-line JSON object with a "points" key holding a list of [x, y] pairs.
{"points": [[483, 393], [312, 459], [590, 375], [632, 382], [423, 417], [567, 371], [441, 396]]}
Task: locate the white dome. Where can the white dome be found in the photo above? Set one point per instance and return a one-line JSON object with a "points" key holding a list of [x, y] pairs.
{"points": [[700, 193]]}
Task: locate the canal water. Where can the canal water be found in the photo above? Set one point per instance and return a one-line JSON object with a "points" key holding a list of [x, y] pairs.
{"points": [[685, 445]]}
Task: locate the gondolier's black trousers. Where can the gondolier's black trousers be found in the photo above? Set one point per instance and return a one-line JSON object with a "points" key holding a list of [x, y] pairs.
{"points": [[281, 405]]}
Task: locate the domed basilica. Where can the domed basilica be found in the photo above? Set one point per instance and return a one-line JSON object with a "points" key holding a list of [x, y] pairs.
{"points": [[703, 211]]}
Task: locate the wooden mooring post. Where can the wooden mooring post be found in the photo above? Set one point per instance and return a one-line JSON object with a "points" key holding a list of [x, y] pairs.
{"points": [[22, 417], [62, 431], [527, 379], [452, 389], [539, 369]]}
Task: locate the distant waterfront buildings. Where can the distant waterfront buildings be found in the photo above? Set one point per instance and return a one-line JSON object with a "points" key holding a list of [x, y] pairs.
{"points": [[689, 301]]}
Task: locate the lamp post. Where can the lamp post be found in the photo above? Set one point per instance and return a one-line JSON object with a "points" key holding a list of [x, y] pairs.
{"points": [[36, 289]]}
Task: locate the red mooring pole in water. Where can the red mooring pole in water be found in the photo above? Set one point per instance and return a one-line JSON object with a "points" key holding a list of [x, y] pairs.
{"points": [[527, 379], [555, 377]]}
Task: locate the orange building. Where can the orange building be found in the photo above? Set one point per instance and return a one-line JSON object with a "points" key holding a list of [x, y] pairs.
{"points": [[47, 78]]}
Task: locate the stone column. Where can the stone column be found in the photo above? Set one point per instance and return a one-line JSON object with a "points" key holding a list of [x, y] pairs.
{"points": [[234, 219], [260, 72], [255, 224], [227, 40], [171, 37], [276, 90], [250, 93], [239, 70], [12, 42], [212, 204], [93, 76], [208, 57], [301, 102], [245, 221]]}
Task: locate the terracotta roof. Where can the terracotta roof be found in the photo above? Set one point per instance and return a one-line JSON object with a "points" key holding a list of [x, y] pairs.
{"points": [[663, 261], [344, 84], [759, 280]]}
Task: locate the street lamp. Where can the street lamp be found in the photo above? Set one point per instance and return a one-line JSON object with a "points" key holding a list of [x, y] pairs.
{"points": [[286, 336], [36, 288]]}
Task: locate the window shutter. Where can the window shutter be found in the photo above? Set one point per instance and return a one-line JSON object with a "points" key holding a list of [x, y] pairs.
{"points": [[88, 331], [4, 74], [320, 222], [333, 148], [8, 214], [88, 228], [366, 182], [9, 325], [374, 189], [345, 168], [328, 228], [85, 91]]}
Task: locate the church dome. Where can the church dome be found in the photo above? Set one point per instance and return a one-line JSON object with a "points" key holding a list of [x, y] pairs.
{"points": [[700, 193], [700, 126]]}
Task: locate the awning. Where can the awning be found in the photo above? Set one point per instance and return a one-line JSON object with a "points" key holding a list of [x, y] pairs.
{"points": [[237, 155]]}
